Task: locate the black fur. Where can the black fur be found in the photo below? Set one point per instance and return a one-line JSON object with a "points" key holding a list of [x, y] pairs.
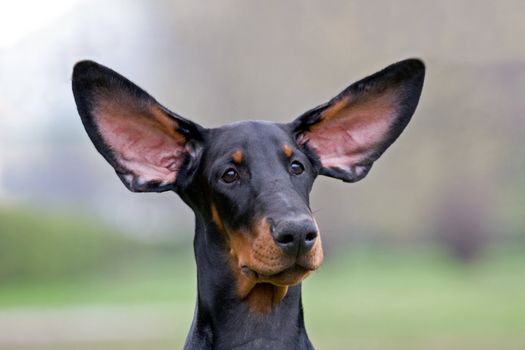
{"points": [[265, 188]]}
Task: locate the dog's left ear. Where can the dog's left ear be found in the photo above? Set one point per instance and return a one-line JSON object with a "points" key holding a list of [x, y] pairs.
{"points": [[347, 134]]}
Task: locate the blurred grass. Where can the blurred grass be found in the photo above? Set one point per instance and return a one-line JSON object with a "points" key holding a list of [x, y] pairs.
{"points": [[375, 299], [364, 298], [384, 299], [46, 244], [50, 257]]}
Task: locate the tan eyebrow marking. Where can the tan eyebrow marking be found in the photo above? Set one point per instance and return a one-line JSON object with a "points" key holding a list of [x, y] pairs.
{"points": [[237, 156], [287, 150], [216, 217]]}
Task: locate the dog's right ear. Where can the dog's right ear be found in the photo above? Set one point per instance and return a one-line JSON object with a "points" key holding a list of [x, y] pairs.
{"points": [[151, 148]]}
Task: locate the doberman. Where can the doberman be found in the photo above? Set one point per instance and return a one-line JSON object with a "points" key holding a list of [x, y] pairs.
{"points": [[248, 184]]}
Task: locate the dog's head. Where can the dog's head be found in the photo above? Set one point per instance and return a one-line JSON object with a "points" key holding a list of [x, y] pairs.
{"points": [[249, 180]]}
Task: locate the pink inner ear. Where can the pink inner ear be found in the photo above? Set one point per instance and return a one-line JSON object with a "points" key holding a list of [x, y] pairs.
{"points": [[143, 140], [350, 131]]}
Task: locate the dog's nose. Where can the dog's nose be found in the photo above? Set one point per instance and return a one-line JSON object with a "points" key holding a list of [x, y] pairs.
{"points": [[295, 236]]}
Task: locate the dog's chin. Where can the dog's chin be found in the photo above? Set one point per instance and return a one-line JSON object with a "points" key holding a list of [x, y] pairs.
{"points": [[287, 277]]}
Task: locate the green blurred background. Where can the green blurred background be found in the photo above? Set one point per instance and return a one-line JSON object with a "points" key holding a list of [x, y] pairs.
{"points": [[426, 253]]}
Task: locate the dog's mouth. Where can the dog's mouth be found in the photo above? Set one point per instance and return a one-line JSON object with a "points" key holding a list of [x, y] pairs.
{"points": [[286, 277], [281, 270]]}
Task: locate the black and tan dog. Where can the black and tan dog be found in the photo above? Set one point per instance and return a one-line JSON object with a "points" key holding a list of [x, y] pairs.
{"points": [[248, 184]]}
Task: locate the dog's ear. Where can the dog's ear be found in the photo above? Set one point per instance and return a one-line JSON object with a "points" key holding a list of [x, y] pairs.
{"points": [[151, 148], [347, 134]]}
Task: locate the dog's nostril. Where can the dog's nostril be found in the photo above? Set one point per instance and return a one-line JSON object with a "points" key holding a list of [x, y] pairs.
{"points": [[285, 238], [310, 236]]}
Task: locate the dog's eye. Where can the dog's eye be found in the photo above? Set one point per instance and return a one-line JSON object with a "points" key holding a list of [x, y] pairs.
{"points": [[230, 175], [296, 168]]}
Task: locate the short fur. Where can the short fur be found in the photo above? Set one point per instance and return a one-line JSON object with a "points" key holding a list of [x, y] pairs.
{"points": [[248, 184]]}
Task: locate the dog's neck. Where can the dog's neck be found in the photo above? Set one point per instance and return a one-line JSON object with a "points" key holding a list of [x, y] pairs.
{"points": [[223, 320]]}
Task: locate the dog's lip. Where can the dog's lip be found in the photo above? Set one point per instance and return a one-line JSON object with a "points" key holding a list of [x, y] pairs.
{"points": [[288, 276]]}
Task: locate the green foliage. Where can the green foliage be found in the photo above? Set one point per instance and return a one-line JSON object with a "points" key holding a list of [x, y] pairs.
{"points": [[46, 245]]}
